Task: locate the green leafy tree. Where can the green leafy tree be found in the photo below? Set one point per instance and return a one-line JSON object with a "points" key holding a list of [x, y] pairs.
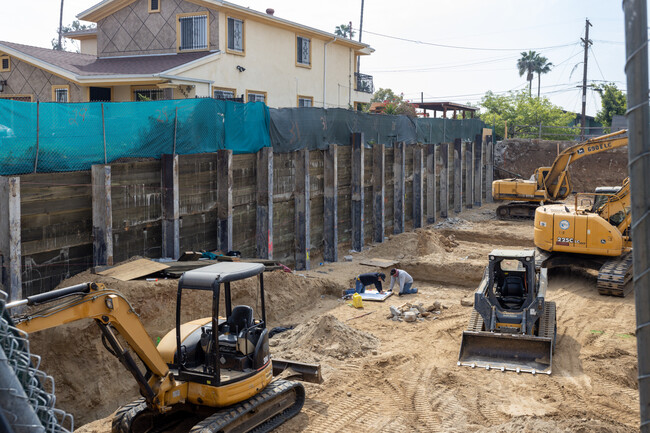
{"points": [[61, 44], [542, 66], [345, 31], [613, 102], [521, 109], [393, 103]]}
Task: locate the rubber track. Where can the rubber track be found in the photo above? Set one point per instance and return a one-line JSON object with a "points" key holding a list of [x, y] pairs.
{"points": [[228, 417], [125, 415], [504, 212], [475, 322], [614, 275]]}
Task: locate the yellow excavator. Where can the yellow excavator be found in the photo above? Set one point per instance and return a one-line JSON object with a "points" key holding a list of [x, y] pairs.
{"points": [[548, 184], [593, 233], [209, 375]]}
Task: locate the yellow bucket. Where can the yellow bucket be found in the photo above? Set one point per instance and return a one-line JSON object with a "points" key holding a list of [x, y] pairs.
{"points": [[357, 302]]}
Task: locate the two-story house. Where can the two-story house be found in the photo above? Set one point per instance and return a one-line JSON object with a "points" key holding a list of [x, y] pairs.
{"points": [[175, 49]]}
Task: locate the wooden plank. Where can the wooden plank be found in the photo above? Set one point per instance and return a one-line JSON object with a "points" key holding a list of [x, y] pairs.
{"points": [[10, 237], [379, 263], [135, 269], [431, 184], [458, 178], [264, 210], [398, 187], [378, 191], [330, 204]]}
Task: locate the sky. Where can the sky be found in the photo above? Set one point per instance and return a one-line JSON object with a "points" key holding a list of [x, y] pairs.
{"points": [[431, 50]]}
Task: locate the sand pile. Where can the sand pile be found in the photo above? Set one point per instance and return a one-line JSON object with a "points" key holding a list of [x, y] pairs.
{"points": [[325, 336], [550, 424]]}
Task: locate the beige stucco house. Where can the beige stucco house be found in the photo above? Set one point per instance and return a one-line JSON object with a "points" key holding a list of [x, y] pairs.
{"points": [[176, 49]]}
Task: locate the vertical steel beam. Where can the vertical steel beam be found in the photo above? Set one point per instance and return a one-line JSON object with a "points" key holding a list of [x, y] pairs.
{"points": [[302, 209], [224, 199], [264, 216], [489, 168], [170, 207], [432, 197], [102, 215], [469, 175], [330, 204], [399, 181], [458, 178], [418, 187], [478, 170], [378, 192], [356, 189], [10, 241], [444, 179]]}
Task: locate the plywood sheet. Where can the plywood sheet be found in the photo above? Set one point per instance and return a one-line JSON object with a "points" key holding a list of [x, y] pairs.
{"points": [[375, 296], [380, 263], [135, 269]]}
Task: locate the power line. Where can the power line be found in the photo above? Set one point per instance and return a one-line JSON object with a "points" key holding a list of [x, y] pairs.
{"points": [[596, 60], [467, 48]]}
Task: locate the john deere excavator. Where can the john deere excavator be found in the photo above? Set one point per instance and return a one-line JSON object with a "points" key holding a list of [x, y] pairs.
{"points": [[213, 374], [548, 184], [512, 326], [591, 233]]}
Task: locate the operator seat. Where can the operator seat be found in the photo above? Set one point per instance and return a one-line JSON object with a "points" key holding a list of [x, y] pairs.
{"points": [[240, 319], [512, 291]]}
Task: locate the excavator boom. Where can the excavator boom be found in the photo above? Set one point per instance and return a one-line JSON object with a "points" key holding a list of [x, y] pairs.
{"points": [[549, 184]]}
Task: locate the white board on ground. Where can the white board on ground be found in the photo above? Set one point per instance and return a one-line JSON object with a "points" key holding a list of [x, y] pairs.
{"points": [[375, 296]]}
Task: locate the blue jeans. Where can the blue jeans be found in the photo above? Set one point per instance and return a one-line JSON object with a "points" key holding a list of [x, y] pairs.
{"points": [[407, 289], [358, 288]]}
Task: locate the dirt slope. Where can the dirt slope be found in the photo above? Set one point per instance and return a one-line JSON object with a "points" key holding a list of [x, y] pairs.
{"points": [[382, 375]]}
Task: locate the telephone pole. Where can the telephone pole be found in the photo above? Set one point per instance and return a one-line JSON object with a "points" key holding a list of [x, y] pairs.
{"points": [[587, 43], [360, 31]]}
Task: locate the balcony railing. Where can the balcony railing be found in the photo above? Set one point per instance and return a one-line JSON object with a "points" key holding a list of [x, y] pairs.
{"points": [[364, 83]]}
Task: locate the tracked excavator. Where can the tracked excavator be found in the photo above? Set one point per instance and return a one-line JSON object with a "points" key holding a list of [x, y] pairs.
{"points": [[593, 233], [548, 184], [512, 326], [208, 375]]}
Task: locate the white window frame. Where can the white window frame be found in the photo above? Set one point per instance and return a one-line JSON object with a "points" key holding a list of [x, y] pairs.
{"points": [[198, 32], [61, 93], [303, 99], [236, 36]]}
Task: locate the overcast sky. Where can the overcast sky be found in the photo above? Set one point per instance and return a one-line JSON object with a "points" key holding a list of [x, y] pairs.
{"points": [[439, 50]]}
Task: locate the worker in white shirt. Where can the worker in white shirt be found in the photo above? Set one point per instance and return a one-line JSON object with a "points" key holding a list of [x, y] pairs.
{"points": [[404, 280]]}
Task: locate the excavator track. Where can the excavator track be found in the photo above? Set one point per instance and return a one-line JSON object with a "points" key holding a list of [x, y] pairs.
{"points": [[278, 402], [518, 210], [614, 276]]}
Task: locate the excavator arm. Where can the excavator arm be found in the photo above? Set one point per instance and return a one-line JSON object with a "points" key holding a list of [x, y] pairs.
{"points": [[552, 181], [111, 311]]}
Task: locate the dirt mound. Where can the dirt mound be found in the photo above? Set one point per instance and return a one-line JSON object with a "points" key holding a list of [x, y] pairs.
{"points": [[85, 372], [326, 336]]}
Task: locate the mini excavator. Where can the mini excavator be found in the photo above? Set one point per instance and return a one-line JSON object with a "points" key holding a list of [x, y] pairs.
{"points": [[213, 374], [512, 326], [548, 184]]}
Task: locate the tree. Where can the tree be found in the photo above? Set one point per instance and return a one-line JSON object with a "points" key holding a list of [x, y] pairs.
{"points": [[61, 44], [521, 109], [526, 65], [542, 66], [613, 102], [393, 104], [345, 31]]}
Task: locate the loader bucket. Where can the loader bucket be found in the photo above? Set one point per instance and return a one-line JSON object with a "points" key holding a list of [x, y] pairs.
{"points": [[506, 352]]}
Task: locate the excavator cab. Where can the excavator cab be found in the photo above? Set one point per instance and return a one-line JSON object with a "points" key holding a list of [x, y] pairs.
{"points": [[239, 348]]}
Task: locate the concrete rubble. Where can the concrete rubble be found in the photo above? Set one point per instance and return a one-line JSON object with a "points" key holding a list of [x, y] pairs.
{"points": [[408, 312]]}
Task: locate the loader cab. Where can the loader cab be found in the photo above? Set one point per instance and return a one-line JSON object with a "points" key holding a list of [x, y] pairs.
{"points": [[239, 348], [511, 279]]}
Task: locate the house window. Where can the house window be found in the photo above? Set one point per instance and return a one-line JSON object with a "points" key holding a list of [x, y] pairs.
{"points": [[235, 35], [223, 93], [61, 93], [303, 51], [148, 94], [5, 64], [252, 96], [193, 32], [154, 6], [305, 101]]}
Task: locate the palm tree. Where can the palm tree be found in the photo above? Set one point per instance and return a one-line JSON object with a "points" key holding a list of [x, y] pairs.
{"points": [[526, 65], [542, 66], [345, 31]]}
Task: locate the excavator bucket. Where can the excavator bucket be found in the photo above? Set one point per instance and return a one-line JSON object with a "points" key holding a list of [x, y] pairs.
{"points": [[506, 352]]}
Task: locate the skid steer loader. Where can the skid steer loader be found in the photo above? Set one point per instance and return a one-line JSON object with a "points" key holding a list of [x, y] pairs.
{"points": [[512, 326]]}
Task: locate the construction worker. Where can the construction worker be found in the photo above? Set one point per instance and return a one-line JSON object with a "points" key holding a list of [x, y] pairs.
{"points": [[404, 281], [364, 280]]}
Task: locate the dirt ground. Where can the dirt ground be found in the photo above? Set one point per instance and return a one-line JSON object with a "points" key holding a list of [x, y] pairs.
{"points": [[381, 375]]}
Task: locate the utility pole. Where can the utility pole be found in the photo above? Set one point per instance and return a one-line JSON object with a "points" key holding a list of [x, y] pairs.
{"points": [[360, 31], [587, 43]]}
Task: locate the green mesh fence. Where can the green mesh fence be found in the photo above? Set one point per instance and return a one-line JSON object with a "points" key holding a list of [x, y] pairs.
{"points": [[52, 137]]}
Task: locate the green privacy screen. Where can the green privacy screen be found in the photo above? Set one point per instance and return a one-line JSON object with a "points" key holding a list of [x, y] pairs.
{"points": [[76, 136]]}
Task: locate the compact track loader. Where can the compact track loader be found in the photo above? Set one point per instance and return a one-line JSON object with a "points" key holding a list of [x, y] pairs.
{"points": [[209, 375], [512, 327]]}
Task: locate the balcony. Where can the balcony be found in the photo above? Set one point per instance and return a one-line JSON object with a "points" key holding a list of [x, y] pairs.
{"points": [[364, 83]]}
